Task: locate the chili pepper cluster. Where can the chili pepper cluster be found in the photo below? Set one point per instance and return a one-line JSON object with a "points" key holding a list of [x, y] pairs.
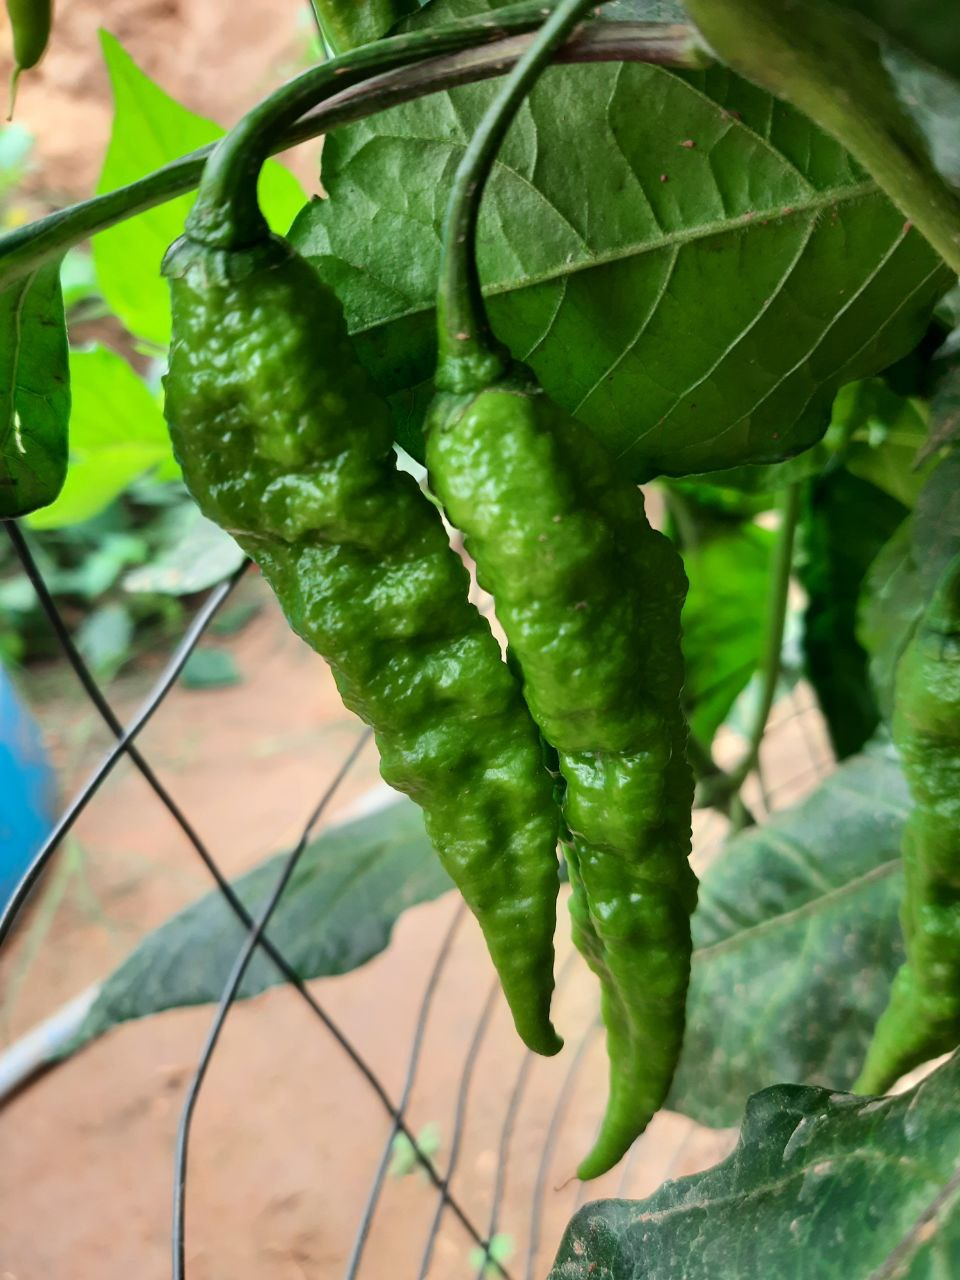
{"points": [[284, 442]]}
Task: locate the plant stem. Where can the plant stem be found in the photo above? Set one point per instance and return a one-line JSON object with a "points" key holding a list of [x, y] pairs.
{"points": [[773, 639], [25, 249], [823, 63], [470, 355]]}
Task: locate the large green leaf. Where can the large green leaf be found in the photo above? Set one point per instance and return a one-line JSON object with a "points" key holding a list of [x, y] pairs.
{"points": [[689, 267], [117, 433], [724, 621], [846, 522], [901, 579], [149, 130], [796, 940], [821, 1185], [338, 911], [34, 392], [928, 28]]}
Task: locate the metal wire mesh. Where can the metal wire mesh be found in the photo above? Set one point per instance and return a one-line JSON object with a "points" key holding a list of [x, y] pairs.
{"points": [[481, 1223]]}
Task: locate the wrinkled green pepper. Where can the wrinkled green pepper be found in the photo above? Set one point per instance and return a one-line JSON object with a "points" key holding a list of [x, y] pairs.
{"points": [[284, 442], [589, 596], [922, 1018]]}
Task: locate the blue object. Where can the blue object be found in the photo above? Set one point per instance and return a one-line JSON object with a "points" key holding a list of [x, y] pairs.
{"points": [[27, 789]]}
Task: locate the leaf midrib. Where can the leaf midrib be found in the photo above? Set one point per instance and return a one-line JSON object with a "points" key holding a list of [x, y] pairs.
{"points": [[703, 231]]}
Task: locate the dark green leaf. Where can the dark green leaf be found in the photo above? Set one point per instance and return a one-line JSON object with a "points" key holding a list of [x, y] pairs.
{"points": [[210, 669], [338, 911], [796, 941], [695, 305], [723, 621], [945, 411], [34, 393], [901, 579], [845, 523], [928, 28], [821, 1184]]}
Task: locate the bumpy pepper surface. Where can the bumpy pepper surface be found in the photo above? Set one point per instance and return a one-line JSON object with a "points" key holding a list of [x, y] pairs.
{"points": [[589, 596], [284, 443], [922, 1018]]}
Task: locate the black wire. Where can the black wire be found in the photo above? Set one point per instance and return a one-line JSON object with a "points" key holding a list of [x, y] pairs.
{"points": [[125, 745], [169, 675], [559, 1111], [226, 1000], [376, 1188], [506, 1132], [463, 1093]]}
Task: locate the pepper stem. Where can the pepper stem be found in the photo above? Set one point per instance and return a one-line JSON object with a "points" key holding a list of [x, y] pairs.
{"points": [[226, 214], [470, 356]]}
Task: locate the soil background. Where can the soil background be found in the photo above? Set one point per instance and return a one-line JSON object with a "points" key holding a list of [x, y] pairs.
{"points": [[288, 1134]]}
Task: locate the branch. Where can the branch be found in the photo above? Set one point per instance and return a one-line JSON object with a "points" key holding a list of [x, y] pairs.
{"points": [[24, 250], [821, 62]]}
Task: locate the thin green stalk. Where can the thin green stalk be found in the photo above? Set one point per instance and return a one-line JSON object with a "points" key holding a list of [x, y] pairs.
{"points": [[25, 249], [470, 356], [773, 638], [824, 63]]}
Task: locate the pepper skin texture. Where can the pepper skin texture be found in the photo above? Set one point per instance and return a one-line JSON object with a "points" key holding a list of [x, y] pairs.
{"points": [[284, 442], [922, 1018], [589, 596]]}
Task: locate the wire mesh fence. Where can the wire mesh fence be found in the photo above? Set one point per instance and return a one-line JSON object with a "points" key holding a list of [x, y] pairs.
{"points": [[493, 1198]]}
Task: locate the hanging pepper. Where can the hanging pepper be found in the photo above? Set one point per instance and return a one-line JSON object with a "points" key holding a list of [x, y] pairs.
{"points": [[589, 596], [922, 1018], [284, 442], [30, 21]]}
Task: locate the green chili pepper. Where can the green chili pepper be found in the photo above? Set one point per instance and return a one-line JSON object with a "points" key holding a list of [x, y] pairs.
{"points": [[31, 21], [590, 598], [922, 1018], [284, 442]]}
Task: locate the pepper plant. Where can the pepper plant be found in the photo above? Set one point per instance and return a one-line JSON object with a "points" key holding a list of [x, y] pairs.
{"points": [[712, 250]]}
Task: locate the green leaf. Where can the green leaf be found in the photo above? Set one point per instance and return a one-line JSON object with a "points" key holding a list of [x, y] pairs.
{"points": [[338, 911], [795, 943], [928, 28], [104, 638], [34, 392], [348, 23], [117, 433], [821, 1184], [901, 580], [199, 554], [696, 306], [845, 523], [210, 669], [945, 411], [886, 433], [723, 621], [150, 129]]}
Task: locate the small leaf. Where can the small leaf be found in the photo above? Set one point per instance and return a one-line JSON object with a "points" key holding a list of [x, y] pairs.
{"points": [[117, 433], [104, 638], [886, 433], [500, 1250], [199, 555], [34, 392], [845, 523], [338, 911], [820, 1184], [795, 943], [404, 1160], [149, 130], [210, 669], [723, 621]]}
